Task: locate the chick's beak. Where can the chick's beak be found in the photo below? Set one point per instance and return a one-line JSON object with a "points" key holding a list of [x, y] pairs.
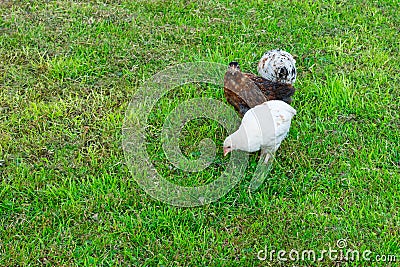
{"points": [[227, 150]]}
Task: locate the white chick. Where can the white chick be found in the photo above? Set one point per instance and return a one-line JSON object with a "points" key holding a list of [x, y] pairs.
{"points": [[263, 127]]}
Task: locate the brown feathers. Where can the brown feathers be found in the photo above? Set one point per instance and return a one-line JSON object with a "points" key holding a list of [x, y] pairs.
{"points": [[246, 90]]}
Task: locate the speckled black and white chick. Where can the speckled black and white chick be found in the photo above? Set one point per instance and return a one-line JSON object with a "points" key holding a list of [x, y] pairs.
{"points": [[278, 66], [263, 127]]}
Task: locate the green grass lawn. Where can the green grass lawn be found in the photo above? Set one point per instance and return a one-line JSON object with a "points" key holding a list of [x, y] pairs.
{"points": [[68, 70]]}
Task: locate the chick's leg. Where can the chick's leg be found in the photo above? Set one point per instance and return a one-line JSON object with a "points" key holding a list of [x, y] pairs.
{"points": [[262, 170], [266, 154]]}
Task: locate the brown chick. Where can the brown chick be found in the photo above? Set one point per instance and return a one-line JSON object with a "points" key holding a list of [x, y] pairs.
{"points": [[246, 90]]}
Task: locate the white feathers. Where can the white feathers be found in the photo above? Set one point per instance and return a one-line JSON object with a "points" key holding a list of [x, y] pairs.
{"points": [[263, 127], [278, 66]]}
